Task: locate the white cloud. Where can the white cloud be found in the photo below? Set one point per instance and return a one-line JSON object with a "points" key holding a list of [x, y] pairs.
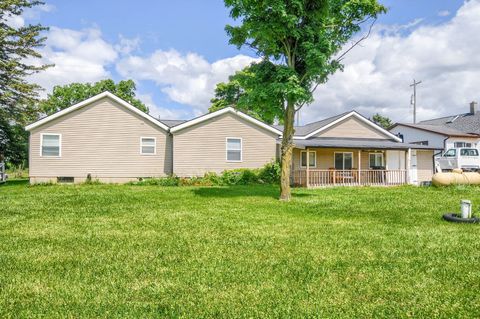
{"points": [[127, 45], [188, 79], [17, 21], [378, 73], [79, 56], [163, 112], [443, 13]]}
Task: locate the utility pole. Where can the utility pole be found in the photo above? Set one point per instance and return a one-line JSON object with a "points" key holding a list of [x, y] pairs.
{"points": [[414, 99]]}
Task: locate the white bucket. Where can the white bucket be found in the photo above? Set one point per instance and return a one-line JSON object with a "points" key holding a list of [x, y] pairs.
{"points": [[466, 208]]}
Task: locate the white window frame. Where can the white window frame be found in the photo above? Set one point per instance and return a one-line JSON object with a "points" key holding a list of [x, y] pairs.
{"points": [[154, 145], [343, 169], [59, 144], [308, 159], [464, 144], [376, 153], [226, 149]]}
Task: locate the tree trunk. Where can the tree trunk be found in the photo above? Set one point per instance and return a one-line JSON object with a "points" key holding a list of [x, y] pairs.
{"points": [[287, 150]]}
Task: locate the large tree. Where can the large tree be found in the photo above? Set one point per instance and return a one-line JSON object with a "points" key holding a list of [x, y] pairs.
{"points": [[302, 41], [254, 90], [18, 50], [68, 95]]}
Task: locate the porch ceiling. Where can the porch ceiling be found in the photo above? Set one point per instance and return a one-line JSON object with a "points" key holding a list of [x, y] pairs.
{"points": [[357, 143]]}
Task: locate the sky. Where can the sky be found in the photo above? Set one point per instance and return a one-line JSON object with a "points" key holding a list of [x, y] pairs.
{"points": [[177, 51]]}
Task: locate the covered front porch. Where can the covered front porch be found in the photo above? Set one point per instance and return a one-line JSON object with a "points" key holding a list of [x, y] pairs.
{"points": [[377, 163]]}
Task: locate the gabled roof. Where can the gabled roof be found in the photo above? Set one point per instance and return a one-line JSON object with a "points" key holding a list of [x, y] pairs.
{"points": [[356, 143], [226, 110], [310, 127], [94, 99], [309, 130], [465, 122], [172, 123], [439, 129]]}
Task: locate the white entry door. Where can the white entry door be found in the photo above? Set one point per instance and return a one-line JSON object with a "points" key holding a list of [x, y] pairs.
{"points": [[396, 162]]}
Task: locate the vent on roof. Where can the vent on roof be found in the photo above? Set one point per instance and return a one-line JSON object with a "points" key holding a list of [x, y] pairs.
{"points": [[453, 120]]}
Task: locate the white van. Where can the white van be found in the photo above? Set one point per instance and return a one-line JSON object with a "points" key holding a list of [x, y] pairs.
{"points": [[467, 159]]}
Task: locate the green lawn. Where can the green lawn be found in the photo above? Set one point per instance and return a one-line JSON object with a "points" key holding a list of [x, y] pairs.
{"points": [[198, 252]]}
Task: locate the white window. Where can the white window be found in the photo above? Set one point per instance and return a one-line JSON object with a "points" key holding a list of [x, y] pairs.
{"points": [[376, 160], [344, 161], [450, 153], [50, 145], [148, 145], [312, 159], [234, 149], [468, 152], [462, 144]]}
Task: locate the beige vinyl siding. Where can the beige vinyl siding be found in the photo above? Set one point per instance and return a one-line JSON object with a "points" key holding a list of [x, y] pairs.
{"points": [[202, 148], [325, 157], [424, 166], [102, 139], [352, 128]]}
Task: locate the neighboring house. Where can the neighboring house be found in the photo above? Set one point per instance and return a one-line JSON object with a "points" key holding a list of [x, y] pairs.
{"points": [[461, 130], [108, 139]]}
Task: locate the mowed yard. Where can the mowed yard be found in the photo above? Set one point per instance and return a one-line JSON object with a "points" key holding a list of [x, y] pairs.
{"points": [[199, 252]]}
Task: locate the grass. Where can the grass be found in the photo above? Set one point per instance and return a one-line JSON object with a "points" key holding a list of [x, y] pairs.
{"points": [[199, 252]]}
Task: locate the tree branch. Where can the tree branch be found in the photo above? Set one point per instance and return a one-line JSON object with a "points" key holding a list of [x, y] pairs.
{"points": [[341, 56]]}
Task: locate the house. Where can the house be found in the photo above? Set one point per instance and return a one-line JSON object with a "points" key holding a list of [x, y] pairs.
{"points": [[460, 130], [103, 137], [222, 140], [106, 138], [349, 149]]}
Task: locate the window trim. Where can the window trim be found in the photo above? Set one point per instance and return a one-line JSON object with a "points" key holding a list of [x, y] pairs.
{"points": [[154, 145], [464, 144], [226, 149], [375, 153], [308, 159], [59, 144], [343, 162]]}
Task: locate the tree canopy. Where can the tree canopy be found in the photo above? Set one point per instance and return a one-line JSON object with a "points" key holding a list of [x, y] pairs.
{"points": [[68, 95], [254, 90], [383, 121], [18, 50], [301, 40]]}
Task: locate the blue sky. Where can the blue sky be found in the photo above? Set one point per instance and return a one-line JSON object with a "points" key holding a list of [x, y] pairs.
{"points": [[178, 50]]}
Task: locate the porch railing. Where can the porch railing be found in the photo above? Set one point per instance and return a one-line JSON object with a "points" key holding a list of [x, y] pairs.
{"points": [[319, 178]]}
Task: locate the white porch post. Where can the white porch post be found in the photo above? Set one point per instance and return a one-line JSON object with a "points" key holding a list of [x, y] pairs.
{"points": [[408, 165], [359, 166], [308, 167]]}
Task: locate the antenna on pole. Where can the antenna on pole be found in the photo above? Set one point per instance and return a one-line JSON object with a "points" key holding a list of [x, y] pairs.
{"points": [[413, 101]]}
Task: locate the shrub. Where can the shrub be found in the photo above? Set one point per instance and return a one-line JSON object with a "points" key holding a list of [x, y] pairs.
{"points": [[270, 173], [213, 178], [248, 176], [195, 181], [231, 177]]}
